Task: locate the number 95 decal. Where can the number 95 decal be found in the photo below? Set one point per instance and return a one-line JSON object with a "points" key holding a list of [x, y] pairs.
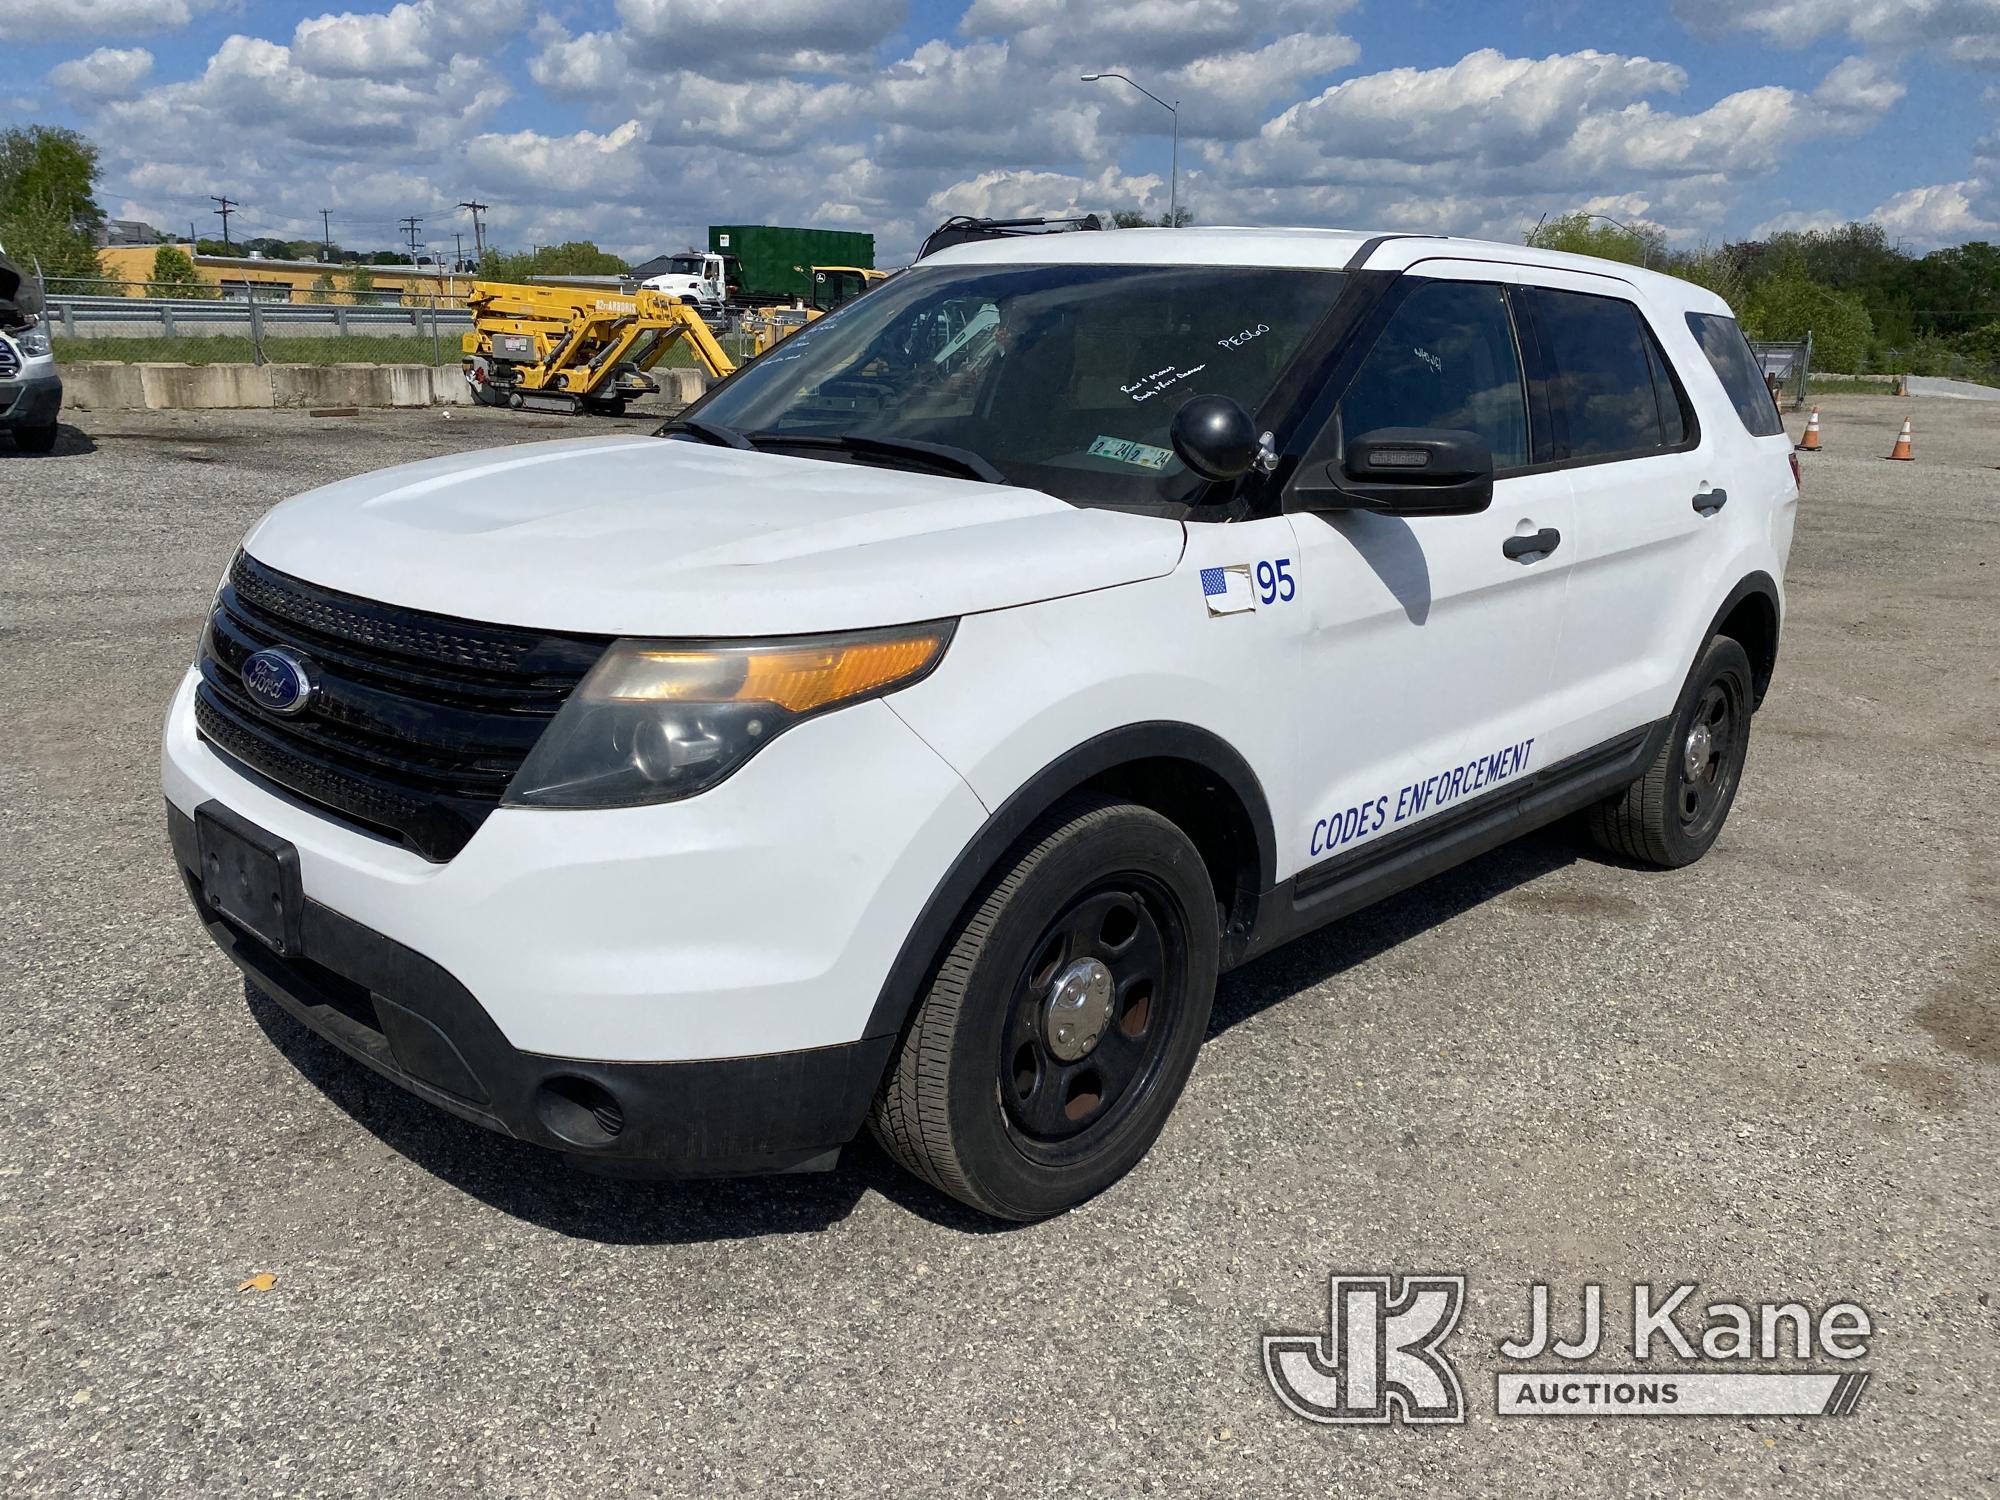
{"points": [[1275, 584]]}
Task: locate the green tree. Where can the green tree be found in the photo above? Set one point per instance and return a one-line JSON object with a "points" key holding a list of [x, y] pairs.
{"points": [[322, 288], [1789, 304], [1585, 233], [359, 281], [1131, 218], [174, 275], [48, 202], [1715, 269], [571, 258]]}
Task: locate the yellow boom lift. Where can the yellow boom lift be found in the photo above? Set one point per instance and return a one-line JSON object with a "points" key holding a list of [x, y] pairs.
{"points": [[575, 349]]}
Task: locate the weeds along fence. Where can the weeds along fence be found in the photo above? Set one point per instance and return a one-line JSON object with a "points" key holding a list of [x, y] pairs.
{"points": [[134, 322]]}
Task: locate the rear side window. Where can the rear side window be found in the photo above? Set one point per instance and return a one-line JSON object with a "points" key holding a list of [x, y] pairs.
{"points": [[1611, 389], [1446, 358], [1736, 367]]}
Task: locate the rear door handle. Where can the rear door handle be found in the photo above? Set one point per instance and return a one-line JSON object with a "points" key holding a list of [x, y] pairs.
{"points": [[1708, 502], [1542, 542]]}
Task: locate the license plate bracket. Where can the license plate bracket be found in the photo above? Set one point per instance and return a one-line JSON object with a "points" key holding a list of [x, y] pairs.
{"points": [[250, 876]]}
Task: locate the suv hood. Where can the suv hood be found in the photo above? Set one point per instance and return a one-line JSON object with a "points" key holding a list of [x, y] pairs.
{"points": [[644, 536]]}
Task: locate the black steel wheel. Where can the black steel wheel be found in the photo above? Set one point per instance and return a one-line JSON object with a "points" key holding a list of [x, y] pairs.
{"points": [[1091, 1017], [1064, 1017], [1673, 814]]}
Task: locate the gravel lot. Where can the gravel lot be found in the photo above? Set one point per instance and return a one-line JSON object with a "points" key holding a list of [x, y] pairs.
{"points": [[1773, 1073]]}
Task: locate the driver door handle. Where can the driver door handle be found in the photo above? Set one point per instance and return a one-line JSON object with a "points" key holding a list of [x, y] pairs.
{"points": [[1708, 502], [1541, 543]]}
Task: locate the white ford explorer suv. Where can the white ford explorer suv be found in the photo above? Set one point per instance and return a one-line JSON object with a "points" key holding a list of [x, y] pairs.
{"points": [[909, 734]]}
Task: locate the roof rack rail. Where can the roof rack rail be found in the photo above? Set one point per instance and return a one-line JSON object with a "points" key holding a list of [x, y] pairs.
{"points": [[963, 229]]}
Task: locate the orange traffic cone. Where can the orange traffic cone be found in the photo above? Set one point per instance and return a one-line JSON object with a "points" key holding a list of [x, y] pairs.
{"points": [[1902, 448], [1810, 442]]}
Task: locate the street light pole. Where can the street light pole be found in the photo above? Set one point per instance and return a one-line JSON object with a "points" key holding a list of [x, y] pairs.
{"points": [[1174, 109]]}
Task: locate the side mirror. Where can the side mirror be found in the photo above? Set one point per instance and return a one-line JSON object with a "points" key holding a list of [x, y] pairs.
{"points": [[1407, 471], [1214, 436]]}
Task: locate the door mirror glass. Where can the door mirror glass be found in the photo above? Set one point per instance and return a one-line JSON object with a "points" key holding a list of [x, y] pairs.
{"points": [[1214, 436]]}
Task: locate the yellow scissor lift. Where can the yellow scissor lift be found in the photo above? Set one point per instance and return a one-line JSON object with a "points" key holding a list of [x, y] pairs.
{"points": [[574, 349]]}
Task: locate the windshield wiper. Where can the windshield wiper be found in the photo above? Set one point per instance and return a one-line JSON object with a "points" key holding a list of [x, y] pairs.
{"points": [[925, 455], [707, 431]]}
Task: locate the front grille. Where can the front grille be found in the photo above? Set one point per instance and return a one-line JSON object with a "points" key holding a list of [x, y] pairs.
{"points": [[418, 721], [10, 362]]}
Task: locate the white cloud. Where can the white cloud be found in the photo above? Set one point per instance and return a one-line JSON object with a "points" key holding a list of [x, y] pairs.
{"points": [[1937, 214], [55, 20], [107, 73], [1963, 29], [758, 38], [829, 112], [406, 41]]}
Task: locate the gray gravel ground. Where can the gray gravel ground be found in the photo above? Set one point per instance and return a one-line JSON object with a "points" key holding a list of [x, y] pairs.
{"points": [[1773, 1073]]}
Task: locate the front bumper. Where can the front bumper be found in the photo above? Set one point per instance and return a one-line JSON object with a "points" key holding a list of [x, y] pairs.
{"points": [[30, 399], [759, 917], [411, 1021]]}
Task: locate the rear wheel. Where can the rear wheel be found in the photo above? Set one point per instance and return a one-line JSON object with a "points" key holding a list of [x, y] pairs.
{"points": [[36, 439], [1064, 1019], [1673, 814]]}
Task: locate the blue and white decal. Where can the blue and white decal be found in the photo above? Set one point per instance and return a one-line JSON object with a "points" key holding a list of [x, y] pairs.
{"points": [[1237, 587], [1418, 798]]}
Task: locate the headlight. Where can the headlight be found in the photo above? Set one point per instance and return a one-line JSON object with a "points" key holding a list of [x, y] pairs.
{"points": [[34, 342], [655, 721]]}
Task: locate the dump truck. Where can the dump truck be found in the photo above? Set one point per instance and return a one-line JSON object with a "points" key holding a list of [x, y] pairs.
{"points": [[576, 349], [776, 263]]}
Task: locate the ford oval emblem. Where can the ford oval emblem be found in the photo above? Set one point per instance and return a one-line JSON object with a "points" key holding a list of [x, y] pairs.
{"points": [[278, 682]]}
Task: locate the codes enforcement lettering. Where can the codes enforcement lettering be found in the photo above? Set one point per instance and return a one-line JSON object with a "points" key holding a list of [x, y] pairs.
{"points": [[1420, 797]]}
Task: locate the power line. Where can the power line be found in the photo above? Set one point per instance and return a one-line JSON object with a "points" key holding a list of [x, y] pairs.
{"points": [[228, 208], [478, 234]]}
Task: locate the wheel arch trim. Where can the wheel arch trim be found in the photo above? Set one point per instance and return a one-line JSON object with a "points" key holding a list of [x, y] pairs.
{"points": [[1762, 585], [1128, 745]]}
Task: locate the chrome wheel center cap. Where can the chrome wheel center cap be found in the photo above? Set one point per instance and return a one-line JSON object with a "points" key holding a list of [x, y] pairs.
{"points": [[1078, 1007], [1701, 741]]}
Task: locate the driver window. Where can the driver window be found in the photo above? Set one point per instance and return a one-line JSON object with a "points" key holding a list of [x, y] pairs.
{"points": [[1446, 359]]}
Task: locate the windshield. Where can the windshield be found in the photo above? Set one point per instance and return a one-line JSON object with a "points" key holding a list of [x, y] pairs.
{"points": [[1064, 378], [686, 265]]}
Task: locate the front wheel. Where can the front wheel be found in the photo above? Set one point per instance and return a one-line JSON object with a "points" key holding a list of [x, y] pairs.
{"points": [[1063, 1020], [1671, 816], [40, 439]]}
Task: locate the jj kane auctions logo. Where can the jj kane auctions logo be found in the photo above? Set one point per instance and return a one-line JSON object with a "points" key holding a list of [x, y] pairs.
{"points": [[1382, 1358]]}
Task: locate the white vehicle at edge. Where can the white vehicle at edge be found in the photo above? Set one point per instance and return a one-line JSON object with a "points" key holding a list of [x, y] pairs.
{"points": [[908, 735], [701, 280]]}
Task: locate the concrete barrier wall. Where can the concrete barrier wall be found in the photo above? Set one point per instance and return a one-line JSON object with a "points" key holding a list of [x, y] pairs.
{"points": [[103, 385]]}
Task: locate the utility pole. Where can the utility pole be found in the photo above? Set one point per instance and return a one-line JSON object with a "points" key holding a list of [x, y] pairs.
{"points": [[410, 227], [478, 237], [325, 234], [457, 251], [228, 208]]}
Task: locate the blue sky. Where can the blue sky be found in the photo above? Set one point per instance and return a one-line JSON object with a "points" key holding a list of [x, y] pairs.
{"points": [[635, 124]]}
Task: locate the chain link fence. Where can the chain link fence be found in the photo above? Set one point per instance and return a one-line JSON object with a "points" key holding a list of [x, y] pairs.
{"points": [[132, 322]]}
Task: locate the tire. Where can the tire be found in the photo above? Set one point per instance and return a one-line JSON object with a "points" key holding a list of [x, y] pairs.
{"points": [[1671, 816], [983, 1100], [40, 439]]}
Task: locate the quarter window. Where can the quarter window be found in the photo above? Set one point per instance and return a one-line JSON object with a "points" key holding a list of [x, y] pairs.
{"points": [[1447, 358], [1736, 367], [1611, 384]]}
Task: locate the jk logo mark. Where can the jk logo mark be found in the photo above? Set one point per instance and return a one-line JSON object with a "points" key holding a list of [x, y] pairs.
{"points": [[1379, 1359]]}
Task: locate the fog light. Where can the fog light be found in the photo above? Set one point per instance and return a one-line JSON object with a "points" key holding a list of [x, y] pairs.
{"points": [[579, 1111]]}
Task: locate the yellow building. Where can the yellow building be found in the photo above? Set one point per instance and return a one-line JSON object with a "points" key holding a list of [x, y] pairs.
{"points": [[246, 276]]}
